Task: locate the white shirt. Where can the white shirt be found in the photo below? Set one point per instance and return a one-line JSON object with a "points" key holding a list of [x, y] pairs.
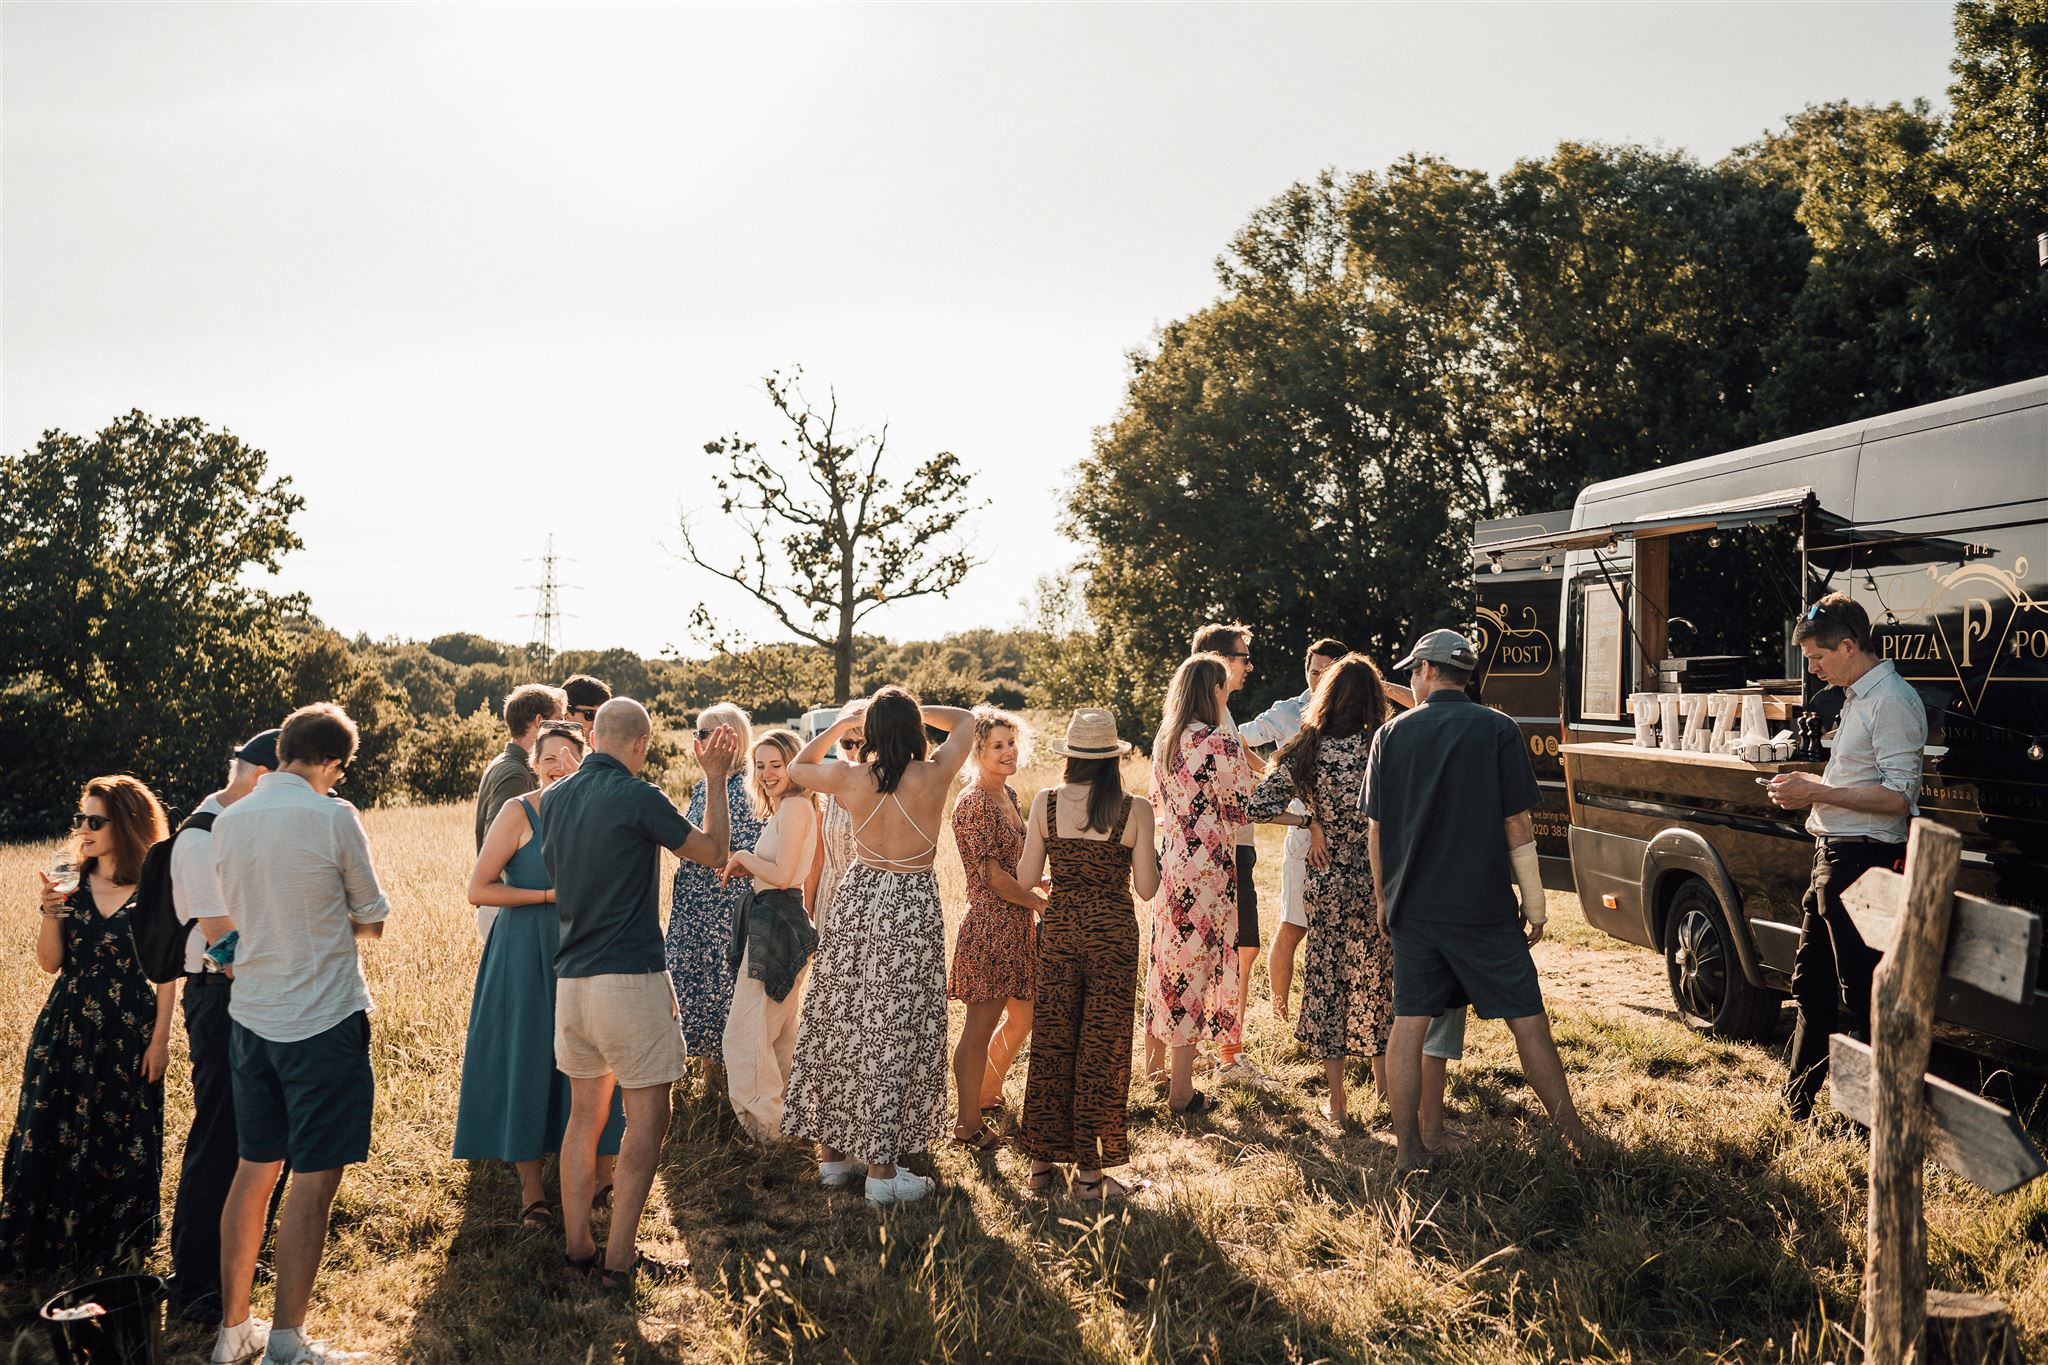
{"points": [[294, 869], [1274, 726], [195, 894], [1881, 742]]}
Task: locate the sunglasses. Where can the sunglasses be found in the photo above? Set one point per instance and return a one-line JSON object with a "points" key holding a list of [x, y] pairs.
{"points": [[586, 712], [95, 823], [850, 742], [1237, 656]]}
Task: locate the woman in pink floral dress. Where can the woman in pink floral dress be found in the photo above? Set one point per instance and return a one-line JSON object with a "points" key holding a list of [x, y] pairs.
{"points": [[1202, 778]]}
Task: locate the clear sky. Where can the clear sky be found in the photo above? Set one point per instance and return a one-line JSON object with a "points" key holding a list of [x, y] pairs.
{"points": [[475, 273]]}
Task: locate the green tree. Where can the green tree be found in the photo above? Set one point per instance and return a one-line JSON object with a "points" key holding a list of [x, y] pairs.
{"points": [[462, 648], [325, 667], [128, 633], [1923, 282], [832, 537], [444, 756], [1641, 291], [1280, 458], [424, 680]]}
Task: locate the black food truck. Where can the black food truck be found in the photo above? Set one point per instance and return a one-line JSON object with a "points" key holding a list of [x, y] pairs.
{"points": [[1689, 580]]}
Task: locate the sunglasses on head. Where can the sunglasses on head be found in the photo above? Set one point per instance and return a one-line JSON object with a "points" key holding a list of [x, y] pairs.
{"points": [[95, 823]]}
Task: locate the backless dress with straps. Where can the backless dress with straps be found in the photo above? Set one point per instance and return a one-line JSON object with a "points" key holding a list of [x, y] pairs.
{"points": [[1078, 1085], [869, 1074]]}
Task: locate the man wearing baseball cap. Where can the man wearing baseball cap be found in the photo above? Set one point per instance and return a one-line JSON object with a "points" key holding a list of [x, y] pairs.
{"points": [[1448, 791], [210, 1159]]}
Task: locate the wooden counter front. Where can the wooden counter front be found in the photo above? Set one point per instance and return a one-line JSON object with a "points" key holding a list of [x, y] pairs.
{"points": [[1607, 749]]}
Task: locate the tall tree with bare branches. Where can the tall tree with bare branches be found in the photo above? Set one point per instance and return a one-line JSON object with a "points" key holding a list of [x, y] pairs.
{"points": [[830, 535]]}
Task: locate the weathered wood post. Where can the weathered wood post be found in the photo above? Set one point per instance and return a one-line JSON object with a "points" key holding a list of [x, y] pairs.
{"points": [[1901, 1023], [1988, 947]]}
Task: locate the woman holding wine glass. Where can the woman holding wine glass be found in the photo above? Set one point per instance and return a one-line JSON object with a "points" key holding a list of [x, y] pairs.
{"points": [[78, 1190]]}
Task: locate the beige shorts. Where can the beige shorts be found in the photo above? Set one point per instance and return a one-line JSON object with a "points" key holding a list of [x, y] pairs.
{"points": [[622, 1025]]}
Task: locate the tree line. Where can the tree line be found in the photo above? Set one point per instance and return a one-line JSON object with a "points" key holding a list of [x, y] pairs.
{"points": [[133, 639], [1394, 354]]}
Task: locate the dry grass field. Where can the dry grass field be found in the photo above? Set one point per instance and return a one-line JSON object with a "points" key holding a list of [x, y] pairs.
{"points": [[1715, 1230]]}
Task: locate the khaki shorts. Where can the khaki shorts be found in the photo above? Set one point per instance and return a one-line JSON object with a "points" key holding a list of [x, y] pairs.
{"points": [[620, 1025]]}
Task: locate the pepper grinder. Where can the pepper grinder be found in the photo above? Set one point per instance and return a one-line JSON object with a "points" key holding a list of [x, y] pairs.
{"points": [[1806, 738]]}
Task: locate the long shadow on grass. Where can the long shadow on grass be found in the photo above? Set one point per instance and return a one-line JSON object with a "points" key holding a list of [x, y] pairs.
{"points": [[1156, 1260], [503, 1295], [810, 1275], [1662, 1248]]}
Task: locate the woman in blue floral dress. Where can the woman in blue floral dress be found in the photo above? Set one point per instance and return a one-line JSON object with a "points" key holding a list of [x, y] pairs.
{"points": [[700, 918]]}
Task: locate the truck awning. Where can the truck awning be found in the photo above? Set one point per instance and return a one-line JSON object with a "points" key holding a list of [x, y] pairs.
{"points": [[1521, 551]]}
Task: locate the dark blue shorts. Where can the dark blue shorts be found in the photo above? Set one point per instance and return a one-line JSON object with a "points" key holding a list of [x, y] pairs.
{"points": [[1440, 966], [307, 1102]]}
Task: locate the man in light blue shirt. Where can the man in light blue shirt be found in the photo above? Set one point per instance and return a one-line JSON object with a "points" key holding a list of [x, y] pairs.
{"points": [[1860, 809], [1273, 727], [295, 875]]}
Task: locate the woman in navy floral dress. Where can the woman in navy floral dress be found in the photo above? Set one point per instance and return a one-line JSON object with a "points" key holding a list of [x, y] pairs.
{"points": [[700, 916], [78, 1192]]}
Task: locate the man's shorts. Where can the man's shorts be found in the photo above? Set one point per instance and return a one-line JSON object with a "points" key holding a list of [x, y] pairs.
{"points": [[1294, 878], [307, 1102], [1438, 966], [1247, 897], [622, 1025]]}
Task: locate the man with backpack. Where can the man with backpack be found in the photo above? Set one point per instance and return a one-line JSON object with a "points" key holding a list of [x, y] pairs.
{"points": [[209, 1166]]}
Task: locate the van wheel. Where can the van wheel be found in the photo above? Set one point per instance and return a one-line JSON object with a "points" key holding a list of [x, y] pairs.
{"points": [[1706, 977]]}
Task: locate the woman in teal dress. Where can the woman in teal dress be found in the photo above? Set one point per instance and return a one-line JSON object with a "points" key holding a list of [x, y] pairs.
{"points": [[514, 1104], [78, 1190]]}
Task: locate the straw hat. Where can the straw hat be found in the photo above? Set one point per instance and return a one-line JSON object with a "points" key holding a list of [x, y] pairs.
{"points": [[1091, 733]]}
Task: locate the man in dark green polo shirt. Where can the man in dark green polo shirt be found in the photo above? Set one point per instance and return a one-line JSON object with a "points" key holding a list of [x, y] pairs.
{"points": [[511, 773], [1448, 790], [602, 833]]}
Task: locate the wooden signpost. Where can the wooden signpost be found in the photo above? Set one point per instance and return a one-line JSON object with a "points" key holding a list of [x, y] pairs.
{"points": [[1927, 932]]}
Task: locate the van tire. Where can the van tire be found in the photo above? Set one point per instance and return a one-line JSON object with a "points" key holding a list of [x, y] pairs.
{"points": [[1706, 977]]}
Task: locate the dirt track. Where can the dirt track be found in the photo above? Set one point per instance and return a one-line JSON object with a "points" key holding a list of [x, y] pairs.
{"points": [[1604, 973]]}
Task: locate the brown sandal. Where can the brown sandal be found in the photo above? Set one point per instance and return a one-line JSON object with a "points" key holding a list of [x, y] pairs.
{"points": [[984, 1139], [538, 1214], [1106, 1187]]}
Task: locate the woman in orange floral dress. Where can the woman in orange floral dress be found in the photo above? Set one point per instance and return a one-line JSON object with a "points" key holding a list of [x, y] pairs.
{"points": [[997, 948]]}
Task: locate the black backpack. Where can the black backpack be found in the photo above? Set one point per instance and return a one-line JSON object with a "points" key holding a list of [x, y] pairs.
{"points": [[159, 937]]}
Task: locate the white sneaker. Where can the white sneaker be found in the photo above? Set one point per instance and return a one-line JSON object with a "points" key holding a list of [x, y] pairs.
{"points": [[242, 1342], [900, 1188], [312, 1353], [837, 1174], [1245, 1074]]}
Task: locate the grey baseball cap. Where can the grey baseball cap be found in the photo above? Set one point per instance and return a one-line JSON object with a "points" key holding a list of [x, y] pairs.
{"points": [[1441, 647]]}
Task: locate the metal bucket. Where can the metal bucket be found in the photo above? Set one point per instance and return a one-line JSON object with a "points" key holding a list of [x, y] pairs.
{"points": [[115, 1321]]}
